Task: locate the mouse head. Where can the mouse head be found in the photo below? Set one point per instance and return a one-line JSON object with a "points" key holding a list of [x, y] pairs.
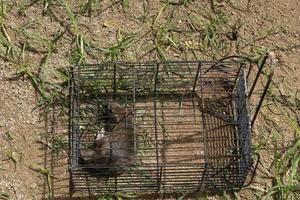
{"points": [[118, 112]]}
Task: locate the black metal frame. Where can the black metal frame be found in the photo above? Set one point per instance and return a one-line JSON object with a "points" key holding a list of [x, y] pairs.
{"points": [[208, 149]]}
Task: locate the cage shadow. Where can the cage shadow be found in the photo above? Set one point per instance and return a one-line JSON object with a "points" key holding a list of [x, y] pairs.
{"points": [[56, 148]]}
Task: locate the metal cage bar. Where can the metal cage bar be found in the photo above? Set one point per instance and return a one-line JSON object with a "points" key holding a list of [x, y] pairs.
{"points": [[190, 126]]}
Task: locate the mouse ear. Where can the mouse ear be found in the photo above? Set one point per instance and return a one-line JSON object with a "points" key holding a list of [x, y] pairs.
{"points": [[117, 109], [115, 106]]}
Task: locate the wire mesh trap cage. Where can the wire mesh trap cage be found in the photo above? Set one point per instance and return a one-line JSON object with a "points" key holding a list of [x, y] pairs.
{"points": [[162, 126]]}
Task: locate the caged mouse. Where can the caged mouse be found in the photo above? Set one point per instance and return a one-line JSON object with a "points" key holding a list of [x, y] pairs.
{"points": [[112, 151]]}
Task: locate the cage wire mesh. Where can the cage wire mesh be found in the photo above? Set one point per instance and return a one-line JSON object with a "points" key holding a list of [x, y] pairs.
{"points": [[184, 126]]}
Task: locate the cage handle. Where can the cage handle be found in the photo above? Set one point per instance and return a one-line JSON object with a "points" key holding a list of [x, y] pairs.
{"points": [[266, 88], [257, 75], [252, 87], [270, 78], [253, 169]]}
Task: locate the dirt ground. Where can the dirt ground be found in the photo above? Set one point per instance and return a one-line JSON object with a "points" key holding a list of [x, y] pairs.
{"points": [[38, 37]]}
